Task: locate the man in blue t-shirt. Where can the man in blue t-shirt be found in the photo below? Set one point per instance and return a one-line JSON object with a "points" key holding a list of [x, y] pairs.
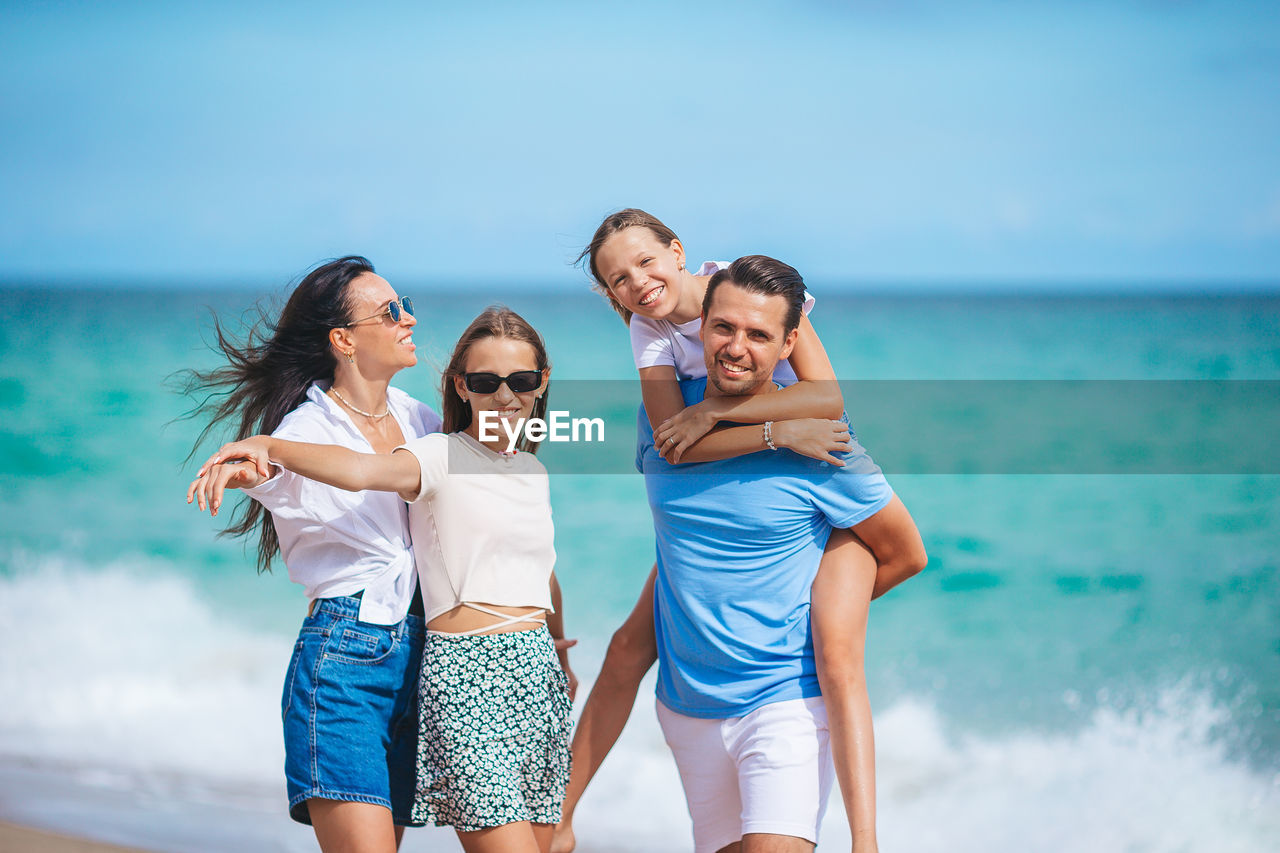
{"points": [[739, 542]]}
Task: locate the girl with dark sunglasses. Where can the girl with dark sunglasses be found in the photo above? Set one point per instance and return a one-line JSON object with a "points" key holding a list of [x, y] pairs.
{"points": [[321, 371], [495, 700]]}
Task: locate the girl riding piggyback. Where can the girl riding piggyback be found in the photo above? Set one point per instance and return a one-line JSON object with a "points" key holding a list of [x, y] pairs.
{"points": [[639, 265]]}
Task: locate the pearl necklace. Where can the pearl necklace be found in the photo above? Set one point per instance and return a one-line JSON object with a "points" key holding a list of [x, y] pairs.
{"points": [[369, 415]]}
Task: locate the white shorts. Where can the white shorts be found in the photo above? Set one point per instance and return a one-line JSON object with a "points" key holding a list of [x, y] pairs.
{"points": [[769, 771]]}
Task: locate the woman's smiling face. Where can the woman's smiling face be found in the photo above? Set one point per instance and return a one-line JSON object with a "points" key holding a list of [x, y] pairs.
{"points": [[381, 344]]}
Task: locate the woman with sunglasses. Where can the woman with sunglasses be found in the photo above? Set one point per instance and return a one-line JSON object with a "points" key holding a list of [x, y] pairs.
{"points": [[321, 372], [495, 702]]}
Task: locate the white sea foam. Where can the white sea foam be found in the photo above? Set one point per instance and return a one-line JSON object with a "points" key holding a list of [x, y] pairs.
{"points": [[131, 672], [1149, 779], [131, 677]]}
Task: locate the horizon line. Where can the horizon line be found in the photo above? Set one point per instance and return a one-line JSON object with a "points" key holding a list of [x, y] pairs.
{"points": [[1002, 285]]}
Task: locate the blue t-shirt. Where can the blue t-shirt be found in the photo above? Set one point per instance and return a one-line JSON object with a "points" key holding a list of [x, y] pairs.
{"points": [[739, 543]]}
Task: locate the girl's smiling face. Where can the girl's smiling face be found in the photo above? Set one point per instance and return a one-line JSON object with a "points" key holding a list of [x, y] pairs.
{"points": [[640, 272], [501, 357]]}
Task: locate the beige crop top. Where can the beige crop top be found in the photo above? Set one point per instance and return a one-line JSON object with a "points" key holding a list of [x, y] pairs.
{"points": [[481, 525]]}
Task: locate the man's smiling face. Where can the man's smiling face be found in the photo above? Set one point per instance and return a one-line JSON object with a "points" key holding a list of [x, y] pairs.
{"points": [[743, 338]]}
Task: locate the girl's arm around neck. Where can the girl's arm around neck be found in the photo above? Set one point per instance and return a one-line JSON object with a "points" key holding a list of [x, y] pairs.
{"points": [[660, 390], [817, 395]]}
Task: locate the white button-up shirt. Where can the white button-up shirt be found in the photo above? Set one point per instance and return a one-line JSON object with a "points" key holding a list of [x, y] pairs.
{"points": [[336, 542]]}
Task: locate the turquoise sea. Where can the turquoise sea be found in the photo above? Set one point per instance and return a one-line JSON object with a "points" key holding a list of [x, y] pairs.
{"points": [[1090, 662]]}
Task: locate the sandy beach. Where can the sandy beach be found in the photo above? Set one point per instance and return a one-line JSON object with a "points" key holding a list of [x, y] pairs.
{"points": [[18, 839], [54, 808], [24, 839]]}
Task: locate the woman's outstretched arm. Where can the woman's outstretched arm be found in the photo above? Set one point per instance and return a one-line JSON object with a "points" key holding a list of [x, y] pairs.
{"points": [[207, 488], [326, 463]]}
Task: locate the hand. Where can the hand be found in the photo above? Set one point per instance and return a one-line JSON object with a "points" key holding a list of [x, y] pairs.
{"points": [[816, 438], [207, 489], [254, 449], [677, 433], [562, 651]]}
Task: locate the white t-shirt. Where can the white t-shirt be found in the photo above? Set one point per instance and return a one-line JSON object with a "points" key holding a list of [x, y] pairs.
{"points": [[481, 525], [336, 542], [655, 342]]}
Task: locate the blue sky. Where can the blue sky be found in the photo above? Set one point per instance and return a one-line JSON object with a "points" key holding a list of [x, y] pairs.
{"points": [[955, 144]]}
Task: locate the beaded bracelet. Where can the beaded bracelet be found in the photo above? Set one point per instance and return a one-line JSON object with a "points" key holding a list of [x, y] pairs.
{"points": [[768, 435]]}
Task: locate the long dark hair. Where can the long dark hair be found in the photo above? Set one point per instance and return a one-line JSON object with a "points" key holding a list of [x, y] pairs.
{"points": [[496, 321], [268, 374], [630, 217]]}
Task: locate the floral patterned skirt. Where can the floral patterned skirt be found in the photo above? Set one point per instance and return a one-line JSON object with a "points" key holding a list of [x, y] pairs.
{"points": [[494, 720]]}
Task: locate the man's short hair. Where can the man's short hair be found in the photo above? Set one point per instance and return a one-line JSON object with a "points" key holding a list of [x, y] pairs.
{"points": [[764, 275]]}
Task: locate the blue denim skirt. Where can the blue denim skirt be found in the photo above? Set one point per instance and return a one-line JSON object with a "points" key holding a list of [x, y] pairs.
{"points": [[350, 711]]}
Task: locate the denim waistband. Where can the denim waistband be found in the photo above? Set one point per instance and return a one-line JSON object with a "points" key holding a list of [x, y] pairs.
{"points": [[348, 606]]}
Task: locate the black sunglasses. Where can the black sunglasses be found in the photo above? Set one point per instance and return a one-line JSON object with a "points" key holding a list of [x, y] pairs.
{"points": [[520, 382], [393, 308]]}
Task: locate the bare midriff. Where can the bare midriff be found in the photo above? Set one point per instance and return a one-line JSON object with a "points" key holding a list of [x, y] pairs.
{"points": [[463, 618]]}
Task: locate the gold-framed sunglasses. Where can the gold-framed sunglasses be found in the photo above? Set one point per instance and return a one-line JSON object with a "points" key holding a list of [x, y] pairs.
{"points": [[397, 308]]}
